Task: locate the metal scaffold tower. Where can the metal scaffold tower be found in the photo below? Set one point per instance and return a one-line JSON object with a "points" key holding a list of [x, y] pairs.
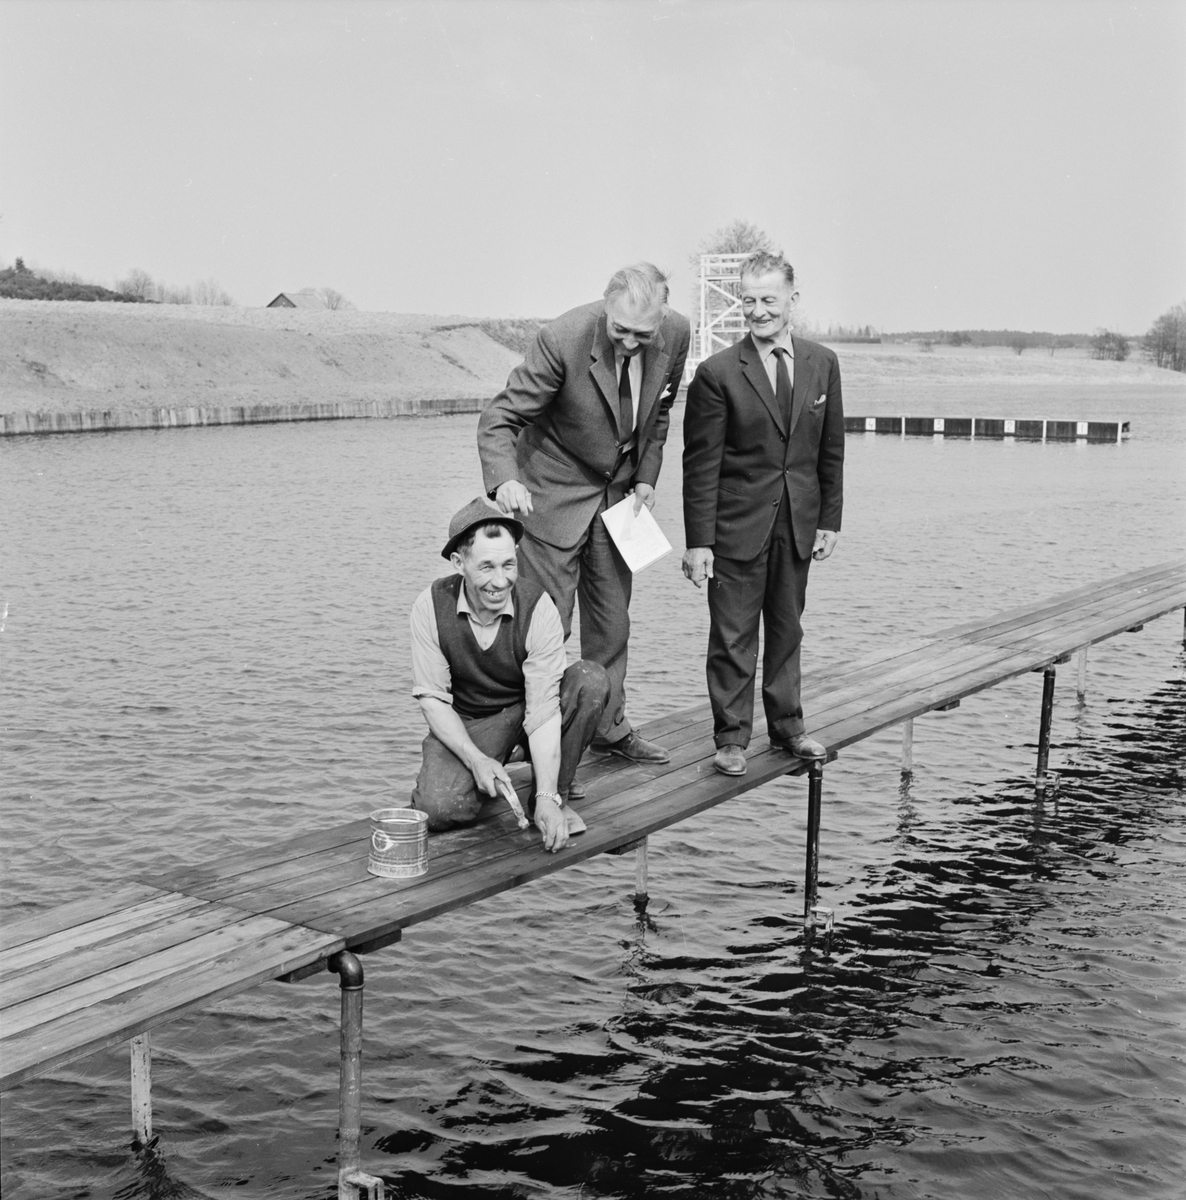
{"points": [[721, 322]]}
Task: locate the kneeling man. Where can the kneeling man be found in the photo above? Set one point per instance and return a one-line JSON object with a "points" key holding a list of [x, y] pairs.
{"points": [[489, 671]]}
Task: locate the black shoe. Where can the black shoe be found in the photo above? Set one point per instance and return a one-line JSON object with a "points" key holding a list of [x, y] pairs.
{"points": [[635, 749], [801, 746], [576, 791]]}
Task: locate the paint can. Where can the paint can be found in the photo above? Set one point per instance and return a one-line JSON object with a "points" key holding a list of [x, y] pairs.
{"points": [[399, 843]]}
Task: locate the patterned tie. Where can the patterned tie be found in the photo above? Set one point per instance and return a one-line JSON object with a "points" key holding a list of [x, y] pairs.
{"points": [[782, 393], [626, 400]]}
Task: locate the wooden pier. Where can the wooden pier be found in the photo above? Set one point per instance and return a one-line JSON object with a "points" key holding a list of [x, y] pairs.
{"points": [[993, 428], [87, 975]]}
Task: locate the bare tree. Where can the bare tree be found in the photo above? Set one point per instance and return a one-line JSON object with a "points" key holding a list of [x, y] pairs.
{"points": [[1165, 343], [210, 292], [1108, 345], [738, 237], [139, 283], [333, 299]]}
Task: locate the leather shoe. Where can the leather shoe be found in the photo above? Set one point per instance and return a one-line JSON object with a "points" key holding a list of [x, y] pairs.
{"points": [[801, 746], [636, 749], [730, 760], [576, 791]]}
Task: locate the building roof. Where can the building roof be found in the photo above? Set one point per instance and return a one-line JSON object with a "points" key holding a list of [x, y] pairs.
{"points": [[303, 299]]}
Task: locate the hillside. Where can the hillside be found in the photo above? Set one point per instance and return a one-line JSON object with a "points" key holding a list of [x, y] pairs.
{"points": [[73, 356]]}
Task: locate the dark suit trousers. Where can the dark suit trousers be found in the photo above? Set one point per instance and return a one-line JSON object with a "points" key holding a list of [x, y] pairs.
{"points": [[771, 587], [594, 573]]}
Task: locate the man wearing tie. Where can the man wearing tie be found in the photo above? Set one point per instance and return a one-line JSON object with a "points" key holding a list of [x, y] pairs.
{"points": [[763, 491], [580, 424]]}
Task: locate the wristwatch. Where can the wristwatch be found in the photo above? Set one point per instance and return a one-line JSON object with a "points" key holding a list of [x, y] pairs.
{"points": [[556, 797]]}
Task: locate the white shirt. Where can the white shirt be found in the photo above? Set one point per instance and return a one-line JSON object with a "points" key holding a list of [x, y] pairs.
{"points": [[770, 362], [542, 669]]}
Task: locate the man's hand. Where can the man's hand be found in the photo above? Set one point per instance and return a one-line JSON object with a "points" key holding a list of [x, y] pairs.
{"points": [[513, 497], [552, 823], [643, 494], [825, 543], [486, 772], [698, 564]]}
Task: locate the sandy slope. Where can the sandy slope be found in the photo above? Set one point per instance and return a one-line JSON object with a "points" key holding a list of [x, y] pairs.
{"points": [[65, 356]]}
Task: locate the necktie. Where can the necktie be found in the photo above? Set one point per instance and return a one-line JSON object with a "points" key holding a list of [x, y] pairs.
{"points": [[782, 392], [626, 401]]}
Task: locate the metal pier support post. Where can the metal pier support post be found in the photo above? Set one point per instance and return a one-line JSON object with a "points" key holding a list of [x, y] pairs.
{"points": [[1082, 684], [815, 795], [908, 747], [640, 876], [1044, 729], [352, 1182], [141, 1089]]}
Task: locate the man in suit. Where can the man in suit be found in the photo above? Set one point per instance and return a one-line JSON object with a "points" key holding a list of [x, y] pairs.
{"points": [[763, 490], [580, 424]]}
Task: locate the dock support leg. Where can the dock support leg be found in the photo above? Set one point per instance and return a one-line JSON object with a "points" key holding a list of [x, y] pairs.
{"points": [[908, 747], [815, 795], [141, 1089], [352, 1182], [1044, 728], [1082, 684], [640, 876]]}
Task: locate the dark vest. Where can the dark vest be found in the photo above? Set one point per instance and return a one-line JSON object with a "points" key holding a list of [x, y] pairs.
{"points": [[484, 681]]}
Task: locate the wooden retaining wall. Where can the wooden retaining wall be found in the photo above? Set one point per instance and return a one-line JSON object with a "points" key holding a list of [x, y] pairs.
{"points": [[106, 420]]}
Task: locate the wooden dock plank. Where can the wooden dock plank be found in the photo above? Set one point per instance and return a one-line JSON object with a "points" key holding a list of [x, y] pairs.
{"points": [[67, 916], [1174, 571], [106, 930], [170, 963], [82, 1031], [155, 933]]}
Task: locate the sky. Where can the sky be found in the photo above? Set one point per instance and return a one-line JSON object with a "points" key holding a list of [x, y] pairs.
{"points": [[924, 164]]}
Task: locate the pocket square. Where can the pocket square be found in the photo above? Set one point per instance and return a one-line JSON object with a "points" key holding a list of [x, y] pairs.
{"points": [[819, 401]]}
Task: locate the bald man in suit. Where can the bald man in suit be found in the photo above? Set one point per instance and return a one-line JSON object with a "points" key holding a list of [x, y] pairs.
{"points": [[582, 423], [763, 492]]}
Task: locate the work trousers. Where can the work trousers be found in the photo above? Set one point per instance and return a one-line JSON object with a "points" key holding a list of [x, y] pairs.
{"points": [[595, 573], [445, 789], [771, 587]]}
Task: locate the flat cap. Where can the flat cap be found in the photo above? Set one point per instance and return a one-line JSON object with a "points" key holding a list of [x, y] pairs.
{"points": [[478, 512]]}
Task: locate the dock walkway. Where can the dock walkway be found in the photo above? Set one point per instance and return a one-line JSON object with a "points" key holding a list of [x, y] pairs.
{"points": [[88, 975]]}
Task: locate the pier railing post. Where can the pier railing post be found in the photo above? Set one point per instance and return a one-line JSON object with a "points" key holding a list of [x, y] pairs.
{"points": [[352, 1182], [1044, 728], [141, 1056]]}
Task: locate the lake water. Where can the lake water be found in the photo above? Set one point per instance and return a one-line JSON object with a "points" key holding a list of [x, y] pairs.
{"points": [[204, 648]]}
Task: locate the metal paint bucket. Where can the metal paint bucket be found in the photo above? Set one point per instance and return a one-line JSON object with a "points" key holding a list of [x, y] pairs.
{"points": [[399, 843]]}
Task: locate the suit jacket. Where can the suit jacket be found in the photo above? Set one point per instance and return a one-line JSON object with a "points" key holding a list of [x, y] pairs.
{"points": [[739, 456], [555, 426]]}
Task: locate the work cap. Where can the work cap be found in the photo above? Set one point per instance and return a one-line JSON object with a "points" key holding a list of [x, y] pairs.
{"points": [[478, 512]]}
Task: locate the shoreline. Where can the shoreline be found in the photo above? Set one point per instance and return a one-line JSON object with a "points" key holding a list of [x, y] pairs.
{"points": [[94, 420]]}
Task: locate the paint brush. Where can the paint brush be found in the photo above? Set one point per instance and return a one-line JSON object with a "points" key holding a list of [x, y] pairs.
{"points": [[513, 801]]}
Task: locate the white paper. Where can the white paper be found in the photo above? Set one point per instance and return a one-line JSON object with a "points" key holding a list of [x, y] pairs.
{"points": [[638, 538]]}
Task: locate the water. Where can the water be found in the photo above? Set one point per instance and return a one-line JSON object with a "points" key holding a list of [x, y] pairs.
{"points": [[205, 644]]}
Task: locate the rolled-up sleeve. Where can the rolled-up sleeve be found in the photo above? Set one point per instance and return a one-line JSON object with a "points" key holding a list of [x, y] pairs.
{"points": [[544, 666], [430, 668]]}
